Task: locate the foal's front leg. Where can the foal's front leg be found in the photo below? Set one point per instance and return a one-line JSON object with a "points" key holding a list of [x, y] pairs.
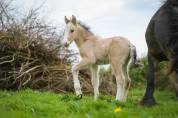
{"points": [[75, 69], [95, 80]]}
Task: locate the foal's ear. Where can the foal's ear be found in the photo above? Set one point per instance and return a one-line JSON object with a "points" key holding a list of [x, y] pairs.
{"points": [[66, 20], [74, 20]]}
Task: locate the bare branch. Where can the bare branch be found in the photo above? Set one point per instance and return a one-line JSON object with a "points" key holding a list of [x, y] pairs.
{"points": [[8, 61]]}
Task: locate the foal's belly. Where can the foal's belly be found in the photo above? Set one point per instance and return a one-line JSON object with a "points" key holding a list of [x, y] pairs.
{"points": [[103, 61]]}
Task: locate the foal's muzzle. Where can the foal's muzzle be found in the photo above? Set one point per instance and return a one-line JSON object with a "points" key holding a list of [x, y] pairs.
{"points": [[66, 44]]}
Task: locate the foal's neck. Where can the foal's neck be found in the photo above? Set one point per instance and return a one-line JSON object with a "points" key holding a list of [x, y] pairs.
{"points": [[83, 37]]}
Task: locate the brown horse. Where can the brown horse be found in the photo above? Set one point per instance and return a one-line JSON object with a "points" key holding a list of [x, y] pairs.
{"points": [[94, 51], [162, 41]]}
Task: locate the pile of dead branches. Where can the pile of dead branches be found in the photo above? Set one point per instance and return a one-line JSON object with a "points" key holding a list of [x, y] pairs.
{"points": [[32, 55]]}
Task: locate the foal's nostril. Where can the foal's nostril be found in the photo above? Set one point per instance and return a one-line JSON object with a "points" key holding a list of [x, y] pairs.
{"points": [[66, 44], [71, 31]]}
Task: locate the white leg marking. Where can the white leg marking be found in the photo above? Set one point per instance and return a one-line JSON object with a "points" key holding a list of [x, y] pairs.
{"points": [[120, 92], [75, 69], [117, 73], [76, 81], [124, 83], [95, 80], [120, 88], [120, 80]]}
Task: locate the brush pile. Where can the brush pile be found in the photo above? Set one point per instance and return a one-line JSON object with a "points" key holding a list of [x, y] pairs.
{"points": [[32, 55]]}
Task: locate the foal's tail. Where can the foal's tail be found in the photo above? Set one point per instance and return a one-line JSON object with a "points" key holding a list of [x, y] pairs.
{"points": [[133, 57], [133, 54]]}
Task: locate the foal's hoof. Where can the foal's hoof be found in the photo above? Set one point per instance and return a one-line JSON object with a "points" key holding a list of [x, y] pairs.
{"points": [[147, 102], [79, 96]]}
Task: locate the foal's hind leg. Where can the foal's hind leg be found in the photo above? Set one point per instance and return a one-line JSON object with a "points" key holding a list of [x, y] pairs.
{"points": [[126, 68], [120, 81], [95, 80]]}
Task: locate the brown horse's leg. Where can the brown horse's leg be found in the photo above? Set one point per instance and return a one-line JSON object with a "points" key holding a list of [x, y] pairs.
{"points": [[173, 73], [174, 81], [148, 99]]}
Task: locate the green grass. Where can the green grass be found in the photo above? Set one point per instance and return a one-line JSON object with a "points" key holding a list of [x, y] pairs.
{"points": [[34, 104]]}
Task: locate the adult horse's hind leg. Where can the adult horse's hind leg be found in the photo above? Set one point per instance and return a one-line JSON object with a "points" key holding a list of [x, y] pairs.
{"points": [[173, 73], [148, 98], [95, 80], [174, 81]]}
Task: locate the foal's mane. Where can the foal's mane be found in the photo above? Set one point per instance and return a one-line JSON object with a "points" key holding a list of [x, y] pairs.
{"points": [[86, 27]]}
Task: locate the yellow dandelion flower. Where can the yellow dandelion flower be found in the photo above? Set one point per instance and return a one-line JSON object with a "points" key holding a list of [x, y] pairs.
{"points": [[118, 109]]}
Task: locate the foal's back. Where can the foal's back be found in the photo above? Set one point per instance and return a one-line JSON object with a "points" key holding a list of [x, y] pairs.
{"points": [[106, 49], [112, 47], [119, 48]]}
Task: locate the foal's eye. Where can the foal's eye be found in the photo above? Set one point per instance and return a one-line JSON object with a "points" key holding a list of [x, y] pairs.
{"points": [[71, 31]]}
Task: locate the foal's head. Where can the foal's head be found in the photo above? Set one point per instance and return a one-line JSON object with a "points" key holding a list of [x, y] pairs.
{"points": [[75, 30]]}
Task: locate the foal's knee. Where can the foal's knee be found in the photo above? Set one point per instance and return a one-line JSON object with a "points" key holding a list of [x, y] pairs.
{"points": [[74, 69]]}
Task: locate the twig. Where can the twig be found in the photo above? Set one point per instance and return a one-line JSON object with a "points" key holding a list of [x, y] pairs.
{"points": [[29, 78], [9, 61], [31, 69]]}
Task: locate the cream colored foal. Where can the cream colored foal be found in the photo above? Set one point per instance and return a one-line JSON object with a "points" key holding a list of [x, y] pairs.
{"points": [[94, 51]]}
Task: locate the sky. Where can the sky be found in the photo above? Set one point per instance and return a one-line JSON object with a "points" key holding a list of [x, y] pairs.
{"points": [[106, 18]]}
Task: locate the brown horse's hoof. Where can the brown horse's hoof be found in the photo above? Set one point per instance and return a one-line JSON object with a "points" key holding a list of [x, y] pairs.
{"points": [[148, 102], [177, 94]]}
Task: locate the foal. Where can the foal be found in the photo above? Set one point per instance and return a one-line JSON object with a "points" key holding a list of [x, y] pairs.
{"points": [[117, 51]]}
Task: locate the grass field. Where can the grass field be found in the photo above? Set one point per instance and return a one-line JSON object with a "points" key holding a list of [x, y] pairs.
{"points": [[33, 104]]}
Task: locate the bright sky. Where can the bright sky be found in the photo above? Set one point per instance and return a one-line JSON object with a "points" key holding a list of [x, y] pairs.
{"points": [[128, 18]]}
